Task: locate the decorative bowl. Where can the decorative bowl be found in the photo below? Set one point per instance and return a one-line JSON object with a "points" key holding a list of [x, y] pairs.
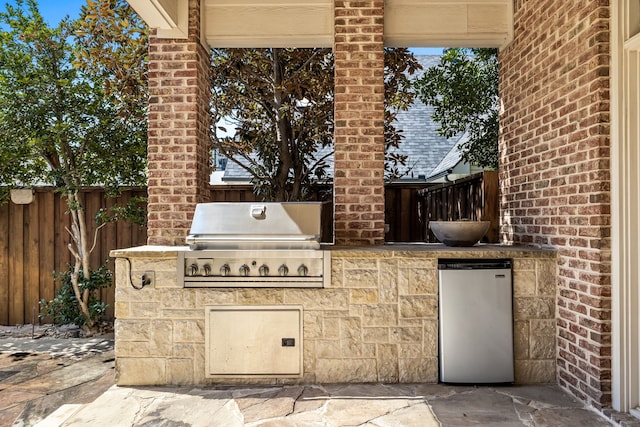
{"points": [[459, 233]]}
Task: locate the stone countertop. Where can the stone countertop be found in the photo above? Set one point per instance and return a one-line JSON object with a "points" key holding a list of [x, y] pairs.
{"points": [[481, 249], [439, 250], [148, 251], [439, 247]]}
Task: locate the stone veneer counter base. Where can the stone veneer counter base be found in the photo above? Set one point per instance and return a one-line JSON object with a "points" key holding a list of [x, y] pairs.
{"points": [[377, 322]]}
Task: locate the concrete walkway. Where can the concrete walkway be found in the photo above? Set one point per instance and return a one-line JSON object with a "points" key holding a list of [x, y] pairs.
{"points": [[50, 382]]}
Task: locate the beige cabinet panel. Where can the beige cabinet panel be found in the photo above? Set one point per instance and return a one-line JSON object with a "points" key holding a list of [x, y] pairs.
{"points": [[253, 341]]}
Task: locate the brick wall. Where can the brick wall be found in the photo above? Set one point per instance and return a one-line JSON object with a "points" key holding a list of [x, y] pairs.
{"points": [[359, 122], [178, 132], [555, 172]]}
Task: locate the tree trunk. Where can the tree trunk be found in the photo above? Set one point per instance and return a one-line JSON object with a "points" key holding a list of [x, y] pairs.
{"points": [[283, 127], [80, 250]]}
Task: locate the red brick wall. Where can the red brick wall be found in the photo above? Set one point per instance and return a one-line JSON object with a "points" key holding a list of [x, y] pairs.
{"points": [[359, 122], [178, 132], [555, 172]]}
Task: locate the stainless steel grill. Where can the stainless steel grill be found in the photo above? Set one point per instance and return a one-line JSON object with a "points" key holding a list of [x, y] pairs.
{"points": [[255, 245]]}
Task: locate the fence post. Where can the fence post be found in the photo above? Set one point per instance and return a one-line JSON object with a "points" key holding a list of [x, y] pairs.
{"points": [[490, 205]]}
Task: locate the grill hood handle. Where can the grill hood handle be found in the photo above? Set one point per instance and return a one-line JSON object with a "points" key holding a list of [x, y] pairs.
{"points": [[259, 211]]}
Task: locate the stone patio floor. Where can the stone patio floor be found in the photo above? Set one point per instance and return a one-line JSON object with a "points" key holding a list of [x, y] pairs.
{"points": [[70, 382]]}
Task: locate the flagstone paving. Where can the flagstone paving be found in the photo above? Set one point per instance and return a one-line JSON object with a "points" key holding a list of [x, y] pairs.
{"points": [[50, 382], [39, 375]]}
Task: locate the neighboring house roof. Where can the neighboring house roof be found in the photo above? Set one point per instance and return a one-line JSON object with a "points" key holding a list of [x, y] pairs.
{"points": [[422, 145], [450, 160], [233, 172], [427, 152]]}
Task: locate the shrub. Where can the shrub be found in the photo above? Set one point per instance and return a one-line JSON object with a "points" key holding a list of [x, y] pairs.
{"points": [[64, 308]]}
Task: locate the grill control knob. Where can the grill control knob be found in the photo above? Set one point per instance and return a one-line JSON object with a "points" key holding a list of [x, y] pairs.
{"points": [[283, 270], [207, 270], [264, 270], [225, 270], [244, 270], [192, 270], [303, 270]]}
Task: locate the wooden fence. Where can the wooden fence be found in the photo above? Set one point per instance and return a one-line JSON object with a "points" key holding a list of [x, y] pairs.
{"points": [[402, 214], [474, 197], [33, 244], [33, 239], [401, 206], [244, 193]]}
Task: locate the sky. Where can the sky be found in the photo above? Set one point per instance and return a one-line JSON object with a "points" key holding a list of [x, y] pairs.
{"points": [[426, 50], [54, 10]]}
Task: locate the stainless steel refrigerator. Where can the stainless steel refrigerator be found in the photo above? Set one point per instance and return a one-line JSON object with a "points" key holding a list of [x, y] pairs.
{"points": [[476, 321]]}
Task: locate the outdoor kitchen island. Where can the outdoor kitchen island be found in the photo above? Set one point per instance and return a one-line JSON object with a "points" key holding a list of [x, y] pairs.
{"points": [[377, 320]]}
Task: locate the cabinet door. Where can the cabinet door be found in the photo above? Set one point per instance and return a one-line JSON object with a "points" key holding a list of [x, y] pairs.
{"points": [[253, 341]]}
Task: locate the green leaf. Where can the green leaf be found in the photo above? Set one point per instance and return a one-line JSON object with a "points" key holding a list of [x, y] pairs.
{"points": [[463, 89]]}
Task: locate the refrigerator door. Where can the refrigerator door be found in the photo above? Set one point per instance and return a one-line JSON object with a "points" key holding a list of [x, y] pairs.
{"points": [[476, 326]]}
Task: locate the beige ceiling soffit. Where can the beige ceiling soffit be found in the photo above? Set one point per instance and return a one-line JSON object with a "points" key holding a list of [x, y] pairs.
{"points": [[510, 22], [269, 23], [169, 17], [203, 27], [497, 41], [265, 42], [463, 23]]}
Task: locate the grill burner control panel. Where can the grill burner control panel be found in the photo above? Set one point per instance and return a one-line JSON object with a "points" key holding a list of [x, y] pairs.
{"points": [[261, 268], [211, 267]]}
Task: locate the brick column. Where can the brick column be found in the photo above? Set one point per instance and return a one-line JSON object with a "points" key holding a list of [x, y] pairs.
{"points": [[555, 177], [178, 132], [359, 122]]}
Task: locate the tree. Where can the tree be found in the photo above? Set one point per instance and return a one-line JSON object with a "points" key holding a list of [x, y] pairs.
{"points": [[399, 95], [59, 127], [463, 89], [112, 41], [279, 103]]}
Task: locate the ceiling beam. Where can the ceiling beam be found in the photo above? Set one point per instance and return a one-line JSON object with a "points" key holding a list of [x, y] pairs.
{"points": [[169, 17]]}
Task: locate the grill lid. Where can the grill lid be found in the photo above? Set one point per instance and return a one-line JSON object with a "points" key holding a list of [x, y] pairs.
{"points": [[287, 225]]}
